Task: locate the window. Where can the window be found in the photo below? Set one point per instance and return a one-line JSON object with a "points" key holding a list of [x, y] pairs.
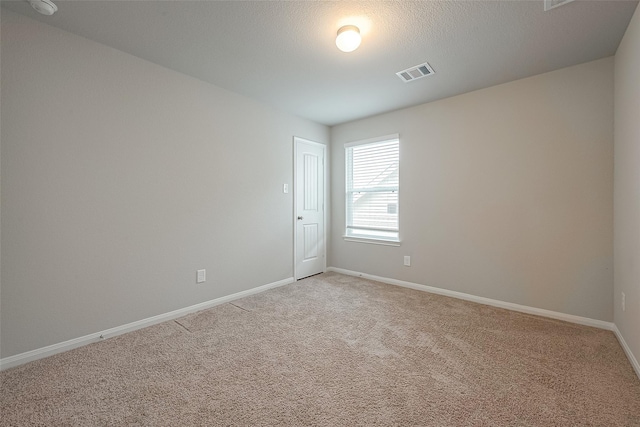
{"points": [[372, 178]]}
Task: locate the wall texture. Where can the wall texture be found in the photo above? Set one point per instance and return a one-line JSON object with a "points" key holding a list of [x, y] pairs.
{"points": [[627, 185], [120, 178], [505, 193]]}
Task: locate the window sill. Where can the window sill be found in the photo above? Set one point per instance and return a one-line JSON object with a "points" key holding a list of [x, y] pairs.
{"points": [[372, 241]]}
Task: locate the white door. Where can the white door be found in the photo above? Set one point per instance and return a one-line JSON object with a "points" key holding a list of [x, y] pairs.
{"points": [[309, 208]]}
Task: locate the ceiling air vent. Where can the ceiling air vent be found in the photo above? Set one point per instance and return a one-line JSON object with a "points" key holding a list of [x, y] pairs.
{"points": [[415, 73], [552, 4]]}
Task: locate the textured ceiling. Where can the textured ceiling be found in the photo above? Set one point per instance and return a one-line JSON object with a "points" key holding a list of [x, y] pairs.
{"points": [[283, 52]]}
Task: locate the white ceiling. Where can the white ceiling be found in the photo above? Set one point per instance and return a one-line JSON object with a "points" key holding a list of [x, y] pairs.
{"points": [[283, 52]]}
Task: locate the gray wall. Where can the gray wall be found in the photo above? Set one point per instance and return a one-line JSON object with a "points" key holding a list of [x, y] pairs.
{"points": [[627, 185], [120, 178], [505, 193]]}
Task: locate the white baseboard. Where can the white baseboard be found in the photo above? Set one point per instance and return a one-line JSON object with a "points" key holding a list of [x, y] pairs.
{"points": [[482, 300], [627, 350], [19, 359]]}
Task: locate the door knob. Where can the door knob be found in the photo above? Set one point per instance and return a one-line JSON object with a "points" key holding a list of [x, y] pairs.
{"points": [[299, 218]]}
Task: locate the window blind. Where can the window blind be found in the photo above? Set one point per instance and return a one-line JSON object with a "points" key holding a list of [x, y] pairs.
{"points": [[372, 181]]}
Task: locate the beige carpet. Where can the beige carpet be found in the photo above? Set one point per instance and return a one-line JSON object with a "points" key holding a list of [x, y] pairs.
{"points": [[335, 350]]}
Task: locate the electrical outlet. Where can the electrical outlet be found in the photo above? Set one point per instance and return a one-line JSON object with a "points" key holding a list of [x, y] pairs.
{"points": [[623, 301], [201, 276], [407, 260]]}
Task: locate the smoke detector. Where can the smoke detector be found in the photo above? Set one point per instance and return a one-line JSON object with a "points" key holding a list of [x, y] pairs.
{"points": [[415, 73], [45, 7]]}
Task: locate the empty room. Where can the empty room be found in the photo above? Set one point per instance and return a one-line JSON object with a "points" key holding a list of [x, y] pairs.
{"points": [[330, 213]]}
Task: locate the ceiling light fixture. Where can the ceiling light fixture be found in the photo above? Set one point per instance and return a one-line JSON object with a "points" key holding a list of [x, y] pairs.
{"points": [[45, 7], [348, 38]]}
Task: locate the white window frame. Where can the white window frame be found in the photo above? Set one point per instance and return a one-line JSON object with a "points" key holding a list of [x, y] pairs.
{"points": [[364, 238]]}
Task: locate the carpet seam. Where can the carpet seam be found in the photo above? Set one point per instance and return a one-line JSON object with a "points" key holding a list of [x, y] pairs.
{"points": [[185, 328], [241, 308]]}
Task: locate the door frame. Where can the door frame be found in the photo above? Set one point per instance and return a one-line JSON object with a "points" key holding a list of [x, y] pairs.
{"points": [[296, 140]]}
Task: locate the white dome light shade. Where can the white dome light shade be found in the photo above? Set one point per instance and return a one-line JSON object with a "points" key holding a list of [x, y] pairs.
{"points": [[45, 7], [348, 38]]}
